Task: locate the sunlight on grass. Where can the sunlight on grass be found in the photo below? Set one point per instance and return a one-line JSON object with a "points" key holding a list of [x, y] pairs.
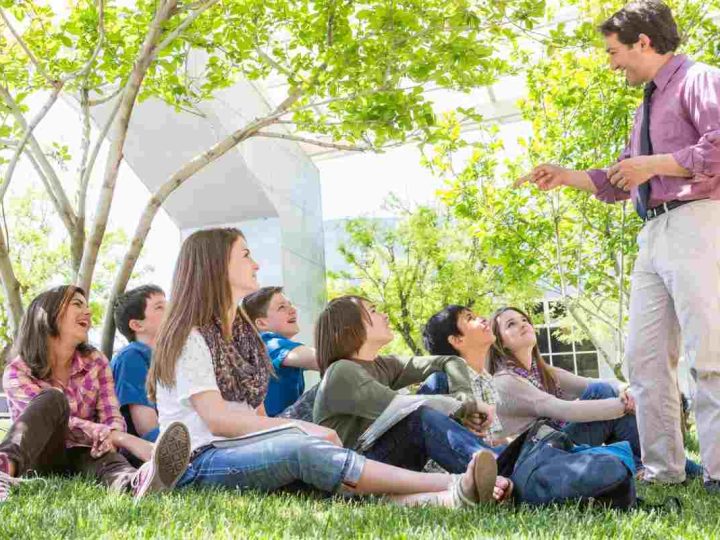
{"points": [[74, 508]]}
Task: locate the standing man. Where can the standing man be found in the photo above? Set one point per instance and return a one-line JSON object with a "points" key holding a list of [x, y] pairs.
{"points": [[671, 170]]}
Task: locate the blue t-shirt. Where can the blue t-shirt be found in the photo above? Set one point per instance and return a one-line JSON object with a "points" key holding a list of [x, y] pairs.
{"points": [[289, 385], [130, 368]]}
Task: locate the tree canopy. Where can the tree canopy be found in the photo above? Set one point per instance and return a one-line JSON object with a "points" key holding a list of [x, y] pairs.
{"points": [[357, 77]]}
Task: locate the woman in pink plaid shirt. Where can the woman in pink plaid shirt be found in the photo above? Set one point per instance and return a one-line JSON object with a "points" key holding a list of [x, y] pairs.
{"points": [[66, 417]]}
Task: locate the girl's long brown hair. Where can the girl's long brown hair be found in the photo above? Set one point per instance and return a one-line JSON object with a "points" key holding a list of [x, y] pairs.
{"points": [[339, 331], [40, 323], [199, 295], [501, 358]]}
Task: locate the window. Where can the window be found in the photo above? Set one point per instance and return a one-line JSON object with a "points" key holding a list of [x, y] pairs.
{"points": [[580, 357]]}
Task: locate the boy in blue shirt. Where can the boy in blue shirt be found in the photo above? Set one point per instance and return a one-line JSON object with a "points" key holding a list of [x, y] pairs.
{"points": [[138, 314], [276, 319]]}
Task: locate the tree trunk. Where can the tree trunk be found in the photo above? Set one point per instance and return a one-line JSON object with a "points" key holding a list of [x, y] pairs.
{"points": [[77, 244], [11, 285], [616, 367], [115, 154]]}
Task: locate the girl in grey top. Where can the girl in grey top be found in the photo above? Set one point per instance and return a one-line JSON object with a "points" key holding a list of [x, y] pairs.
{"points": [[590, 411]]}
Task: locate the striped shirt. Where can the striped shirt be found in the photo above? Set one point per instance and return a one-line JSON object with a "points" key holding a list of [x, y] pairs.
{"points": [[94, 407]]}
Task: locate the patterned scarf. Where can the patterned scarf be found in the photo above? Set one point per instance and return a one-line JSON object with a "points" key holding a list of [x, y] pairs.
{"points": [[241, 364], [534, 377]]}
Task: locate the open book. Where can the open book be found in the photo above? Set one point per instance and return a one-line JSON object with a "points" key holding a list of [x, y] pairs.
{"points": [[259, 436], [400, 408]]}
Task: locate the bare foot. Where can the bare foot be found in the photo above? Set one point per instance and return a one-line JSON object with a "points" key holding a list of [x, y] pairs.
{"points": [[503, 489]]}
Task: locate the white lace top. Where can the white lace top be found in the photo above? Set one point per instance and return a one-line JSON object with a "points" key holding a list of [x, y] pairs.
{"points": [[194, 374]]}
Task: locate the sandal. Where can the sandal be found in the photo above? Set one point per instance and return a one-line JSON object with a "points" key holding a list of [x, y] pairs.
{"points": [[484, 475]]}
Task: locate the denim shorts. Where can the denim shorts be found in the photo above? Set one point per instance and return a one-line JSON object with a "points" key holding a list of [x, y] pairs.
{"points": [[274, 463]]}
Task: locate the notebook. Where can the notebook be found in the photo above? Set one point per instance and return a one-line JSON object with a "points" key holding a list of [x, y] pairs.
{"points": [[259, 436]]}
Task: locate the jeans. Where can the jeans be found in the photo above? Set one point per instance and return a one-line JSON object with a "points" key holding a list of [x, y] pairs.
{"points": [[274, 463], [36, 441], [608, 431], [428, 434], [436, 384]]}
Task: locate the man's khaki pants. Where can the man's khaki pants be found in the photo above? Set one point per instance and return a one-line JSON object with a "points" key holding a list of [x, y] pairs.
{"points": [[676, 292]]}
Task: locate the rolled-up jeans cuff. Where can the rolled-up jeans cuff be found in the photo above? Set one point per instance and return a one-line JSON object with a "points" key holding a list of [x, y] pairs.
{"points": [[354, 465]]}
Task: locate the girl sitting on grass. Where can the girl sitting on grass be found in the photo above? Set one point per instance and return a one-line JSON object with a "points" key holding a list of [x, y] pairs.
{"points": [[590, 411], [66, 417], [210, 370]]}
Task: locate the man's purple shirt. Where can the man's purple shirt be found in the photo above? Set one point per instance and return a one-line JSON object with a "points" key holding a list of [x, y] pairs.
{"points": [[684, 122]]}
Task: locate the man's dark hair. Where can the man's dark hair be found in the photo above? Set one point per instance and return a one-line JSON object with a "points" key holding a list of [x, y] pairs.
{"points": [[440, 327], [257, 303], [131, 305], [650, 17]]}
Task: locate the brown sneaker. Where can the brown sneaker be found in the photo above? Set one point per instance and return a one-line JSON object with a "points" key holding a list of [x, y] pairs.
{"points": [[169, 460]]}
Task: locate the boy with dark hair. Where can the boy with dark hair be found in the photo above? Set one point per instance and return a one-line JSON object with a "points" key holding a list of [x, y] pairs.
{"points": [[457, 331], [138, 314], [275, 317]]}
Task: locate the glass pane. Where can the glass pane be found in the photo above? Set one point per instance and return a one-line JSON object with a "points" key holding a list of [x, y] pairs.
{"points": [[564, 361], [557, 345], [547, 358], [585, 345], [587, 364], [543, 340]]}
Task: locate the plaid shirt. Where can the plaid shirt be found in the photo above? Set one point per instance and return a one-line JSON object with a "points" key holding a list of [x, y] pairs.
{"points": [[94, 407], [484, 390]]}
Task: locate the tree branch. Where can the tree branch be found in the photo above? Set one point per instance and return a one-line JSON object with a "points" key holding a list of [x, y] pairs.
{"points": [[617, 368], [44, 179], [83, 71], [323, 144], [63, 206], [93, 156], [25, 48], [26, 136], [187, 21], [274, 63], [109, 97], [115, 153]]}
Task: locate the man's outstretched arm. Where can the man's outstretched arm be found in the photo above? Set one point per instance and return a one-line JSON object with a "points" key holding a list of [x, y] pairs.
{"points": [[548, 176]]}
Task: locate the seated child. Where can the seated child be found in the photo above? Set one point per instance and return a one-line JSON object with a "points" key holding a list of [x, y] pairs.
{"points": [[138, 314], [589, 411], [275, 317], [65, 413], [456, 330], [359, 385]]}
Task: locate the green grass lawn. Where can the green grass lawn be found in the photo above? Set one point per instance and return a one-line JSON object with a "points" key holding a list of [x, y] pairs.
{"points": [[78, 509]]}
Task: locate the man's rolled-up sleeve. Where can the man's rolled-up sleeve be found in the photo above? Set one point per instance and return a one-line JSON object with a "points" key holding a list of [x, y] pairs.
{"points": [[606, 192], [701, 97]]}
